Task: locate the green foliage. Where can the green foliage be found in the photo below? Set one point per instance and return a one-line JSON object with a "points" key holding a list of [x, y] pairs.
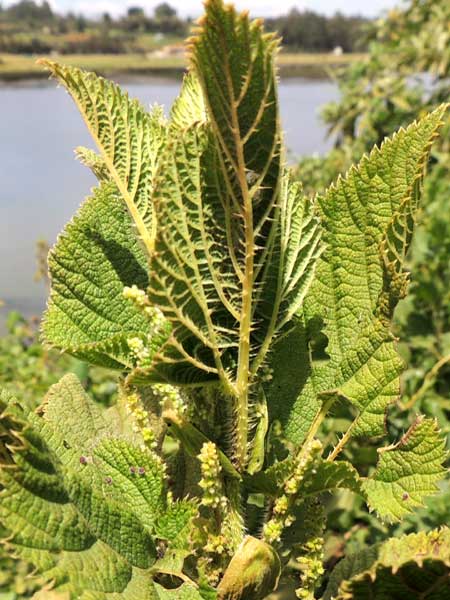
{"points": [[407, 471], [27, 370], [239, 313], [87, 310], [377, 96], [83, 500], [367, 220], [413, 566], [314, 32]]}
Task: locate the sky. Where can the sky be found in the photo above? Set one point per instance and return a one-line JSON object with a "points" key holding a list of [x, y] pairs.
{"points": [[193, 8]]}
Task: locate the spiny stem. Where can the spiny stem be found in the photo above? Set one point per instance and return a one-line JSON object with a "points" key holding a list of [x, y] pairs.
{"points": [[242, 378], [328, 403], [340, 445]]}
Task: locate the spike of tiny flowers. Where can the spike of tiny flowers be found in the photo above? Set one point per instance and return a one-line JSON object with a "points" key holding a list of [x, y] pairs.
{"points": [[310, 561], [141, 301], [216, 544], [282, 516], [211, 482], [306, 459], [170, 397], [135, 408], [311, 565], [136, 295], [138, 349]]}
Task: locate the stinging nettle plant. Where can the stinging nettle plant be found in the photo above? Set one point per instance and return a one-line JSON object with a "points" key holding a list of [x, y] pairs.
{"points": [[239, 313]]}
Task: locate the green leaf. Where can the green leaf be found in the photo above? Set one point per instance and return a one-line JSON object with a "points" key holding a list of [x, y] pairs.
{"points": [[415, 566], [95, 162], [344, 341], [234, 61], [185, 592], [129, 140], [189, 108], [112, 522], [139, 586], [175, 525], [407, 472], [95, 257], [223, 190], [330, 476], [83, 501], [142, 493]]}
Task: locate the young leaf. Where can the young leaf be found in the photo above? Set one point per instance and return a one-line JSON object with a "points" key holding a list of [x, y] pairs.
{"points": [[129, 140], [184, 592], [407, 472], [414, 566], [189, 108], [237, 242], [326, 477]]}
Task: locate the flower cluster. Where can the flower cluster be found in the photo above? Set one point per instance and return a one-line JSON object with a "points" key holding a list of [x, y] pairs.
{"points": [[169, 397], [140, 299], [138, 349], [312, 451], [137, 345], [136, 409], [210, 482], [311, 566], [133, 293], [284, 505], [216, 544]]}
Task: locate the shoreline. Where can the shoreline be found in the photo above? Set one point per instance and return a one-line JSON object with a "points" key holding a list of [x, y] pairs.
{"points": [[16, 68]]}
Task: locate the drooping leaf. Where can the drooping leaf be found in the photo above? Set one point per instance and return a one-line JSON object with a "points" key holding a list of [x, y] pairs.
{"points": [[84, 502], [415, 566], [407, 472], [331, 476]]}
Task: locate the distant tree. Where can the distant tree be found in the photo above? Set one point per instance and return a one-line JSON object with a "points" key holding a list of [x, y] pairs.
{"points": [[135, 20], [28, 10], [345, 31], [135, 11], [106, 18], [164, 11], [306, 30], [46, 11], [312, 32], [81, 24]]}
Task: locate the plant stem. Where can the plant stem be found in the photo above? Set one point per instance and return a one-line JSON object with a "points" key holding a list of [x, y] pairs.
{"points": [[328, 403], [427, 382], [242, 378], [340, 445]]}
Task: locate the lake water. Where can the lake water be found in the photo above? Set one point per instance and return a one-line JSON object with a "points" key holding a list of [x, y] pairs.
{"points": [[42, 184]]}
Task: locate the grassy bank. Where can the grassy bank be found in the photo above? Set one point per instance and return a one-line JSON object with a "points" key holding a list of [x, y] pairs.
{"points": [[14, 67]]}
